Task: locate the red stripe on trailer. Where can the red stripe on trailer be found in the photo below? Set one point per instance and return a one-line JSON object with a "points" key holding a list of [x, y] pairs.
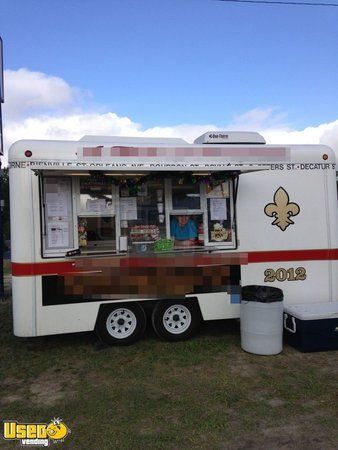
{"points": [[293, 255], [44, 268], [62, 268]]}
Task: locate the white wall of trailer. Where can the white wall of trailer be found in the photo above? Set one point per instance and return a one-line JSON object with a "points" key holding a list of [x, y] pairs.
{"points": [[316, 288], [217, 305], [314, 228], [22, 215], [55, 319], [25, 305], [25, 229]]}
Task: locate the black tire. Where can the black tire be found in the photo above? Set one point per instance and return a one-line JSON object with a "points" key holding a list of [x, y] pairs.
{"points": [[121, 323], [176, 320]]}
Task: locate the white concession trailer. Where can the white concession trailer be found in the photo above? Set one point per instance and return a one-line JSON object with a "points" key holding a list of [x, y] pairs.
{"points": [[105, 228]]}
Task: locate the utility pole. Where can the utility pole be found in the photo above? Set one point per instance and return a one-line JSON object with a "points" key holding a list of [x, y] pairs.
{"points": [[2, 99]]}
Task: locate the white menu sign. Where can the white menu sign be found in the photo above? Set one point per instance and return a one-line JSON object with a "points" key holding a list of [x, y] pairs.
{"points": [[218, 209], [128, 208]]}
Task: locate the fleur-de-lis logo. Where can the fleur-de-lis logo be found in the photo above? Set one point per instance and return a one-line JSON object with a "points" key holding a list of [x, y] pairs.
{"points": [[281, 209]]}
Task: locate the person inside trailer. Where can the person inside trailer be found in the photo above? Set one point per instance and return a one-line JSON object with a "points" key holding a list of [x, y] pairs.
{"points": [[183, 230]]}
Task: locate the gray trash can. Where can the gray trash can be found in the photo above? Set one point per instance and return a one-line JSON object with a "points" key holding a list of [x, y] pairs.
{"points": [[262, 320]]}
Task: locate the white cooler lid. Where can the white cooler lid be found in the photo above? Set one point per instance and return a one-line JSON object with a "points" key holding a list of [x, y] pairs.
{"points": [[313, 311]]}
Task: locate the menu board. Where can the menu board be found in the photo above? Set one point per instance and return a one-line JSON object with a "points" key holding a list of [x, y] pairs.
{"points": [[218, 209], [56, 203], [128, 208], [96, 205], [219, 219], [58, 234], [58, 213]]}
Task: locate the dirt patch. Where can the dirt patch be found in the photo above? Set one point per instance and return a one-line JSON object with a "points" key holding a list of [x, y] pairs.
{"points": [[246, 365], [275, 402], [265, 396], [52, 386], [242, 367], [281, 443], [97, 379], [295, 435], [11, 398], [11, 384]]}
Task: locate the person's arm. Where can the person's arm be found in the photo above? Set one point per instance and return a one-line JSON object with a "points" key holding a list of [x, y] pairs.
{"points": [[185, 242]]}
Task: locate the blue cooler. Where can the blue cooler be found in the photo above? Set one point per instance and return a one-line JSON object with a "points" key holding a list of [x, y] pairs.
{"points": [[312, 327]]}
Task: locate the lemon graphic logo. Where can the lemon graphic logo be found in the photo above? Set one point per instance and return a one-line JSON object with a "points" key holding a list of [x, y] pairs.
{"points": [[57, 430]]}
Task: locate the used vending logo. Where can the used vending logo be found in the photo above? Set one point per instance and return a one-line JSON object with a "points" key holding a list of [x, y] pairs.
{"points": [[36, 434]]}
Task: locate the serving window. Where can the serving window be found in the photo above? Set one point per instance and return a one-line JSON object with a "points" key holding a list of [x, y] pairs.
{"points": [[96, 213], [137, 213], [185, 195], [95, 196], [142, 215], [96, 232], [200, 211]]}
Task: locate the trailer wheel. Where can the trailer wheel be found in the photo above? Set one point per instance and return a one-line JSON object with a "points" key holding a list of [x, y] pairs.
{"points": [[121, 324], [176, 320]]}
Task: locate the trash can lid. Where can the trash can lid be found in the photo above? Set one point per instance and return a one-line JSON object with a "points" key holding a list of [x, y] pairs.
{"points": [[262, 294]]}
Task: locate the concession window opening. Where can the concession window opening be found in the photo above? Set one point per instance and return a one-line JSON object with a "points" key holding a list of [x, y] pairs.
{"points": [[148, 212]]}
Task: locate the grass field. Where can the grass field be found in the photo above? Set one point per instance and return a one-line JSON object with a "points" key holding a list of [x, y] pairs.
{"points": [[205, 393]]}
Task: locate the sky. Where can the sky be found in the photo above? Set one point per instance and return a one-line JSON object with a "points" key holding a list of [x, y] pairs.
{"points": [[174, 68]]}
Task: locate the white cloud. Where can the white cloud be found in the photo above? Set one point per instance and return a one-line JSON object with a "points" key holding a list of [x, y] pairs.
{"points": [[272, 125], [69, 127], [39, 106], [189, 132], [326, 133], [257, 119], [28, 93]]}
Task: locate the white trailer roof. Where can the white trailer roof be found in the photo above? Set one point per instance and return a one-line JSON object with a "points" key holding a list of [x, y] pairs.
{"points": [[133, 140]]}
